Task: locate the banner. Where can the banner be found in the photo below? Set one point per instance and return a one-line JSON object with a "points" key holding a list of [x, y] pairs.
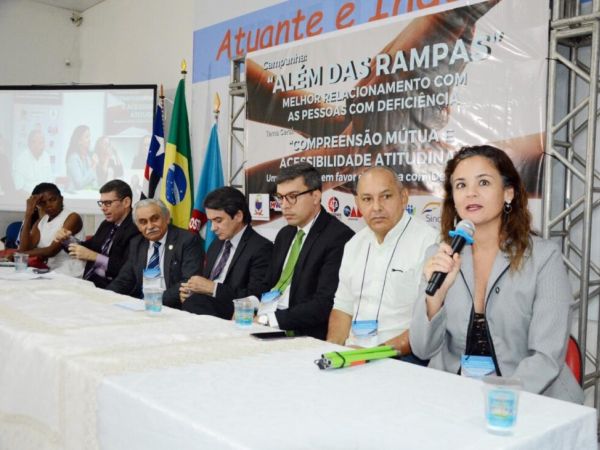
{"points": [[406, 92], [176, 191]]}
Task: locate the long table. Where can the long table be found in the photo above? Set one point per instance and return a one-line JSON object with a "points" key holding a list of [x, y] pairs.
{"points": [[79, 372]]}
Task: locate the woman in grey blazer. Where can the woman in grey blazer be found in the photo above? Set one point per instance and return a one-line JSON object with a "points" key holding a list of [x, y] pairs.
{"points": [[507, 297]]}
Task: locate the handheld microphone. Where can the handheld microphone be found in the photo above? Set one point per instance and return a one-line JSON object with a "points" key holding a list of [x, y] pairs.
{"points": [[461, 235]]}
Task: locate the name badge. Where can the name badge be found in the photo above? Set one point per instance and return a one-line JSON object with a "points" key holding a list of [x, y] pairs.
{"points": [[364, 328], [477, 366], [365, 333], [270, 296]]}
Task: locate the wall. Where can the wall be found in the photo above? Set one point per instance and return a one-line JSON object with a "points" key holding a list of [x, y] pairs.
{"points": [[36, 41], [133, 41], [119, 41]]}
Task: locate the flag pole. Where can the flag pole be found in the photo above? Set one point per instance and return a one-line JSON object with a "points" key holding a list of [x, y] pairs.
{"points": [[161, 101], [216, 106], [183, 68]]}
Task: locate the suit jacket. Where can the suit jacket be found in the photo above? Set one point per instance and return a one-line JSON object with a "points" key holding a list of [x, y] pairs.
{"points": [[528, 313], [315, 277], [119, 250], [183, 258], [245, 275]]}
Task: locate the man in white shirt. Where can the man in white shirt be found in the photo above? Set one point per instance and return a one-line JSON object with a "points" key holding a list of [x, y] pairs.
{"points": [[32, 165], [236, 262], [381, 267]]}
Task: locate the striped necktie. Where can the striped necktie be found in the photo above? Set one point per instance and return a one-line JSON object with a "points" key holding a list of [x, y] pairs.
{"points": [[108, 241], [218, 268], [155, 258], [103, 250]]}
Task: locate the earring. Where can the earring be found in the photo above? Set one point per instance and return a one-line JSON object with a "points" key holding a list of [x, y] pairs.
{"points": [[507, 208]]}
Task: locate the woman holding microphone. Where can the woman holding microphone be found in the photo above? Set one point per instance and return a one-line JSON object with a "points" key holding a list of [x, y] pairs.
{"points": [[507, 297]]}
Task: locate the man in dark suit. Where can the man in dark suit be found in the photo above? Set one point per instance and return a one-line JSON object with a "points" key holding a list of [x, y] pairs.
{"points": [[303, 274], [236, 262], [176, 253], [106, 251]]}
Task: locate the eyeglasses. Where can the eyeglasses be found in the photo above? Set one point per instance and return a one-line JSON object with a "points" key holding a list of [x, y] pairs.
{"points": [[292, 197], [107, 203]]}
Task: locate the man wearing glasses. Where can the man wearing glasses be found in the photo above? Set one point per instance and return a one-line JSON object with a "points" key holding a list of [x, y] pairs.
{"points": [[107, 250], [303, 274]]}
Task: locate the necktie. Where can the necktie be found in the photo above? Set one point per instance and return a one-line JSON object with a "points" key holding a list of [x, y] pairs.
{"points": [[288, 270], [108, 241], [103, 250], [218, 268], [155, 258]]}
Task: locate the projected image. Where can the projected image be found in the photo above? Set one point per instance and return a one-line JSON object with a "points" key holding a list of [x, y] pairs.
{"points": [[76, 138]]}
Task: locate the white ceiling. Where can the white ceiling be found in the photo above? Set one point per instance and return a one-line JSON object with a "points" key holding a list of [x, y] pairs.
{"points": [[71, 5]]}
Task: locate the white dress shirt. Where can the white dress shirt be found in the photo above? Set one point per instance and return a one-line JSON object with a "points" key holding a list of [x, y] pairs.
{"points": [[403, 271]]}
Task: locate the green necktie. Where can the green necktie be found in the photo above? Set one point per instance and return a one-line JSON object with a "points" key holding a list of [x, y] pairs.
{"points": [[288, 270]]}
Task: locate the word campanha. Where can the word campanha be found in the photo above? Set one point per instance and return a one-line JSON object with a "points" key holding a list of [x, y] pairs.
{"points": [[287, 61], [439, 99], [428, 57], [404, 136]]}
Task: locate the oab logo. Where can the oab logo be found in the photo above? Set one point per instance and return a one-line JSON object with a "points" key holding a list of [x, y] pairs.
{"points": [[431, 212], [333, 204], [176, 186], [352, 213]]}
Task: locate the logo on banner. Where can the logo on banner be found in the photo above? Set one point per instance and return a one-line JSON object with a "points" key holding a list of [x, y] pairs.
{"points": [[333, 204], [176, 184], [431, 212], [410, 209], [274, 205], [257, 204], [352, 213]]}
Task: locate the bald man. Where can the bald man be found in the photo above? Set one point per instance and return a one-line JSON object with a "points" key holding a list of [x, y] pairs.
{"points": [[32, 165], [381, 268]]}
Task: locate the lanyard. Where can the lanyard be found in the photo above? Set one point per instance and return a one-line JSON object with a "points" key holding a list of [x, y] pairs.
{"points": [[385, 277]]}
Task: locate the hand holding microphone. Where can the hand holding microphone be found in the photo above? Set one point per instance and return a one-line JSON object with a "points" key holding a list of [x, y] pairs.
{"points": [[461, 235]]}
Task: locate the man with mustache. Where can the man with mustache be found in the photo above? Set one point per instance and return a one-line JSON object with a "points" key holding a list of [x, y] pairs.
{"points": [[381, 268], [177, 253], [306, 257]]}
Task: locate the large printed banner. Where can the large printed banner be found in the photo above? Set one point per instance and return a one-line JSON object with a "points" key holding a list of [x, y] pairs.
{"points": [[405, 92]]}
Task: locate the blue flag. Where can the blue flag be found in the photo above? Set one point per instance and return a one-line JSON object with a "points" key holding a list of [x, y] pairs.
{"points": [[156, 157], [211, 178]]}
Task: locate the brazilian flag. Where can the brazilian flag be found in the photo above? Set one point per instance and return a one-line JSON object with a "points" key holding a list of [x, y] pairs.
{"points": [[177, 191]]}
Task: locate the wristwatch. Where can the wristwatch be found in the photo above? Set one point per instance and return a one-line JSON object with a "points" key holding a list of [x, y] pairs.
{"points": [[263, 320]]}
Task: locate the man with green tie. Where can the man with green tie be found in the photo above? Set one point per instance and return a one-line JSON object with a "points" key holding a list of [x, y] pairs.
{"points": [[306, 257]]}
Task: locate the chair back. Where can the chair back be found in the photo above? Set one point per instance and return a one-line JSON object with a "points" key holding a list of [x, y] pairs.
{"points": [[573, 359], [12, 234]]}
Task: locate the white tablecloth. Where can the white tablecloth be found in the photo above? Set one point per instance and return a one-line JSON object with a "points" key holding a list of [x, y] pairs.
{"points": [[78, 372]]}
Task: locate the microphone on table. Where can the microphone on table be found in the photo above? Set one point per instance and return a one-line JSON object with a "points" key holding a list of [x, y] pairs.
{"points": [[461, 235]]}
